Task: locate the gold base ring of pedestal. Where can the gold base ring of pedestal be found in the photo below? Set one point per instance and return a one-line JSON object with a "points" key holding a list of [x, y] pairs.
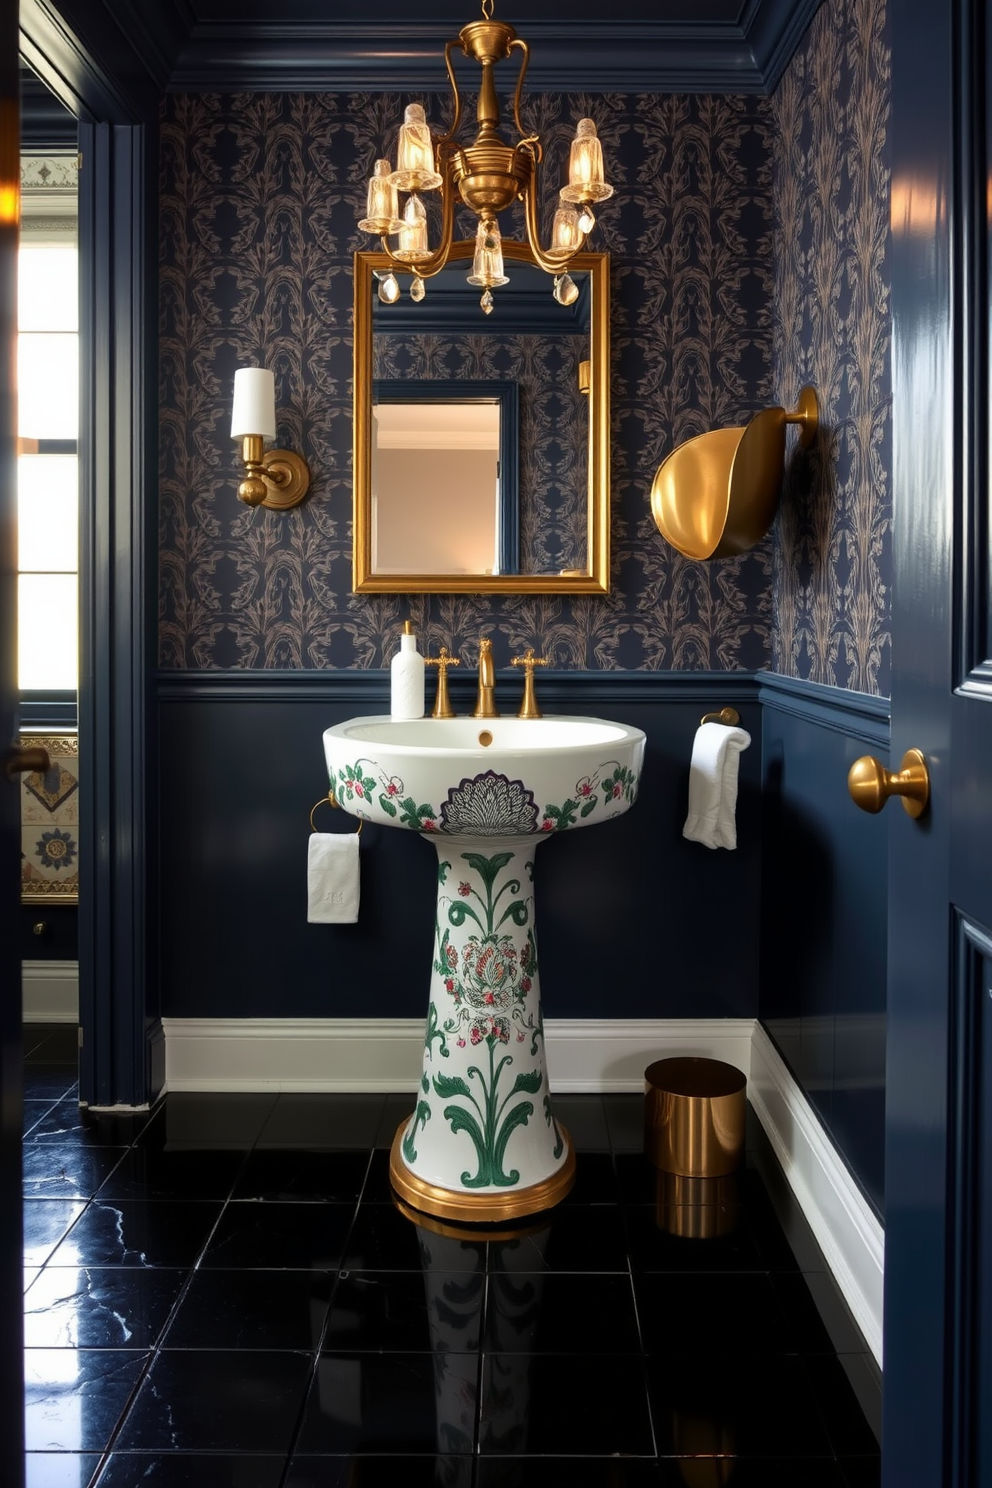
{"points": [[479, 1208]]}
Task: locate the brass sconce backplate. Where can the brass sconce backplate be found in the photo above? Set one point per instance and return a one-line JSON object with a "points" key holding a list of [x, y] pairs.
{"points": [[715, 495]]}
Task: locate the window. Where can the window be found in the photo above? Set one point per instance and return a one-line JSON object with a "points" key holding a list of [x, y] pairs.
{"points": [[48, 397]]}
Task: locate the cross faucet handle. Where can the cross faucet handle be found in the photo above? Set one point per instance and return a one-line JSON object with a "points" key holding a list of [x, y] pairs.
{"points": [[442, 705], [529, 708]]}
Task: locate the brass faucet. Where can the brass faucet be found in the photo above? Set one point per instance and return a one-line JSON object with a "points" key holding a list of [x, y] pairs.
{"points": [[485, 703], [442, 703], [528, 707]]}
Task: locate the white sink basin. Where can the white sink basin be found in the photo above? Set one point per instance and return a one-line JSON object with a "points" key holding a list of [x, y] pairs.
{"points": [[491, 777]]}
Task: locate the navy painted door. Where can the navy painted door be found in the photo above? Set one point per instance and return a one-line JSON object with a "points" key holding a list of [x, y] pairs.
{"points": [[938, 1295], [11, 1249]]}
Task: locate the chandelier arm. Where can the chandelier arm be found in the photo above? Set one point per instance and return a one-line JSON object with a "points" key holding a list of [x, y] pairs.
{"points": [[550, 261], [433, 265], [444, 139], [519, 43]]}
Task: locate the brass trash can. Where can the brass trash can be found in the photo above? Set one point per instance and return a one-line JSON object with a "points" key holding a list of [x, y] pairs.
{"points": [[694, 1115]]}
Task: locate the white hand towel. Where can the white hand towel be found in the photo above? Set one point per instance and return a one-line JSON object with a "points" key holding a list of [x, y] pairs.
{"points": [[713, 771], [332, 878]]}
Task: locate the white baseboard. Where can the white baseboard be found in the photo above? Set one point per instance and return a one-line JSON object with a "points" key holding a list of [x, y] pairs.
{"points": [[356, 1054], [589, 1054], [50, 991], [846, 1229]]}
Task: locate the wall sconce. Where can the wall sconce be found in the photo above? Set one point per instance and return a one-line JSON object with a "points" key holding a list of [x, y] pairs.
{"points": [[715, 496], [277, 478]]}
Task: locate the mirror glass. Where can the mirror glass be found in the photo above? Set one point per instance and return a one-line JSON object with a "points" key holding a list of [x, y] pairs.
{"points": [[481, 441]]}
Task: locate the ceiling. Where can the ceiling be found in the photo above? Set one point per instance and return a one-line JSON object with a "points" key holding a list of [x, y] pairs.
{"points": [[113, 59]]}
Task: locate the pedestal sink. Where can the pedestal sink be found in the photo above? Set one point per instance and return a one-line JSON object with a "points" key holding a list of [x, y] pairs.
{"points": [[483, 1144]]}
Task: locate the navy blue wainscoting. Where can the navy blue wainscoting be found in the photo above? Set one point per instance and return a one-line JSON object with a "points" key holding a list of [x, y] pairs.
{"points": [[633, 921], [824, 916]]}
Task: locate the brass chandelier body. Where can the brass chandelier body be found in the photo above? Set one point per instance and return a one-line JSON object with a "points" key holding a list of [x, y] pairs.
{"points": [[488, 176]]}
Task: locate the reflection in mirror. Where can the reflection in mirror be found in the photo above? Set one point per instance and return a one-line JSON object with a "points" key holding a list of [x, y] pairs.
{"points": [[434, 512], [444, 477]]}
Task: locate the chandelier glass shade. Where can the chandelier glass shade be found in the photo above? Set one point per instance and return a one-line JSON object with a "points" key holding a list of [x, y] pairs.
{"points": [[488, 175]]}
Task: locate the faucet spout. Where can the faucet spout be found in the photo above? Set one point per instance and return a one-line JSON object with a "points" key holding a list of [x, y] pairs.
{"points": [[485, 703]]}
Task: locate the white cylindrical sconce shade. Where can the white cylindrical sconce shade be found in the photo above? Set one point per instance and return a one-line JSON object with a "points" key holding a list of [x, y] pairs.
{"points": [[254, 410]]}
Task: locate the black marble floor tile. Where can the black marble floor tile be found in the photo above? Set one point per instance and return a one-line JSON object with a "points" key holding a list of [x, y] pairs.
{"points": [[73, 1398], [149, 1172], [396, 1112], [862, 1472], [204, 1400], [46, 1223], [585, 1122], [380, 1472], [49, 1082], [382, 1239], [654, 1248], [391, 1404], [192, 1470], [530, 1406], [754, 1472], [576, 1472], [59, 1469], [558, 1312], [313, 1121], [198, 1122], [580, 1237], [407, 1311], [51, 1043], [130, 1233], [285, 1236], [274, 1176], [252, 1310], [732, 1314], [68, 1121], [72, 1307], [595, 1180], [625, 1123], [850, 1433], [37, 1109], [70, 1171], [746, 1406]]}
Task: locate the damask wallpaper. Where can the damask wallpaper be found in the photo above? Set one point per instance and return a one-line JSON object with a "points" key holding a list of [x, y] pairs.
{"points": [[833, 329], [259, 198]]}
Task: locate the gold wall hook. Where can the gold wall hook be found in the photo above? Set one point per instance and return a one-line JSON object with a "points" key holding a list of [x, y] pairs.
{"points": [[528, 707], [442, 703], [729, 716], [716, 495], [870, 784]]}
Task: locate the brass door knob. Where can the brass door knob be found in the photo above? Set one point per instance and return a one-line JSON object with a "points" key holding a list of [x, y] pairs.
{"points": [[18, 761], [870, 784]]}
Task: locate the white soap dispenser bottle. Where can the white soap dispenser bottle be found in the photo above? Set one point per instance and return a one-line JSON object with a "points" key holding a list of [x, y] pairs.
{"points": [[406, 678]]}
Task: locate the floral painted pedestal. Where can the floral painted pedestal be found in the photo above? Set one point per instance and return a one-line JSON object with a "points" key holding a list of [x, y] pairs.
{"points": [[483, 1143]]}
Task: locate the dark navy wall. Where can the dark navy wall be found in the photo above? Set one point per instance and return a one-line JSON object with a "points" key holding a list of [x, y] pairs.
{"points": [[824, 867], [626, 910]]}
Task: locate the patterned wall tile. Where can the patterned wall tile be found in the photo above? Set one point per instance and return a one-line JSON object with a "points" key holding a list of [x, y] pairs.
{"points": [[50, 822], [259, 198], [833, 329]]}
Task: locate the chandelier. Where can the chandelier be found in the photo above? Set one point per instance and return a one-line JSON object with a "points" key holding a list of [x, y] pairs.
{"points": [[487, 175]]}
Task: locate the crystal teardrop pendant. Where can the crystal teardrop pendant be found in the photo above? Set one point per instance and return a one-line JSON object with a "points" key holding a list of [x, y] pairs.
{"points": [[417, 289], [487, 302], [586, 221]]}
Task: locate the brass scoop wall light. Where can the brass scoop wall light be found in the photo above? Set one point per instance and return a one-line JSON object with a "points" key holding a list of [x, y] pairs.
{"points": [[715, 496]]}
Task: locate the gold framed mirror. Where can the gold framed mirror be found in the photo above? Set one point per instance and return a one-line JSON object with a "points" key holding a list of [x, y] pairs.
{"points": [[551, 524]]}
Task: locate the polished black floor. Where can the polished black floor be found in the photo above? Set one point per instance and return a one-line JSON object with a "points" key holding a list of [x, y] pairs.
{"points": [[223, 1293]]}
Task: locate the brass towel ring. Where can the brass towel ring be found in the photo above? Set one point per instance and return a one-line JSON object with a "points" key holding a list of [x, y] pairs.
{"points": [[330, 800]]}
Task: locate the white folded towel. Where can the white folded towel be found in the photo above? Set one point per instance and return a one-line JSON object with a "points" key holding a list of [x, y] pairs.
{"points": [[332, 878], [713, 785]]}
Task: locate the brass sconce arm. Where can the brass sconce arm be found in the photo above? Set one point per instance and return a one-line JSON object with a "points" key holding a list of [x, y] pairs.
{"points": [[276, 478]]}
